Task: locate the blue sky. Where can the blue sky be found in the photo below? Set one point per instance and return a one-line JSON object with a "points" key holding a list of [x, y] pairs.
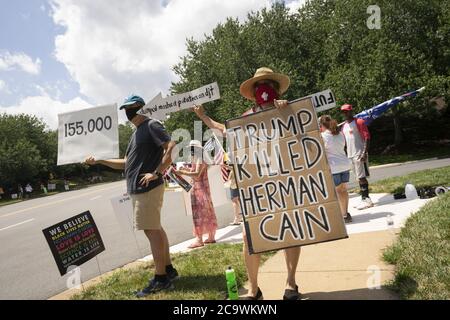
{"points": [[66, 55], [27, 27]]}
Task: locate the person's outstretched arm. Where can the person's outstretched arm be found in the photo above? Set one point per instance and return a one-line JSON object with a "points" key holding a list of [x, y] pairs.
{"points": [[193, 174], [118, 164], [200, 112]]}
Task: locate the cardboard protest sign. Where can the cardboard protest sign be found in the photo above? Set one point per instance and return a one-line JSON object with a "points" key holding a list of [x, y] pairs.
{"points": [[187, 203], [88, 132], [74, 241], [217, 188], [159, 107], [287, 194]]}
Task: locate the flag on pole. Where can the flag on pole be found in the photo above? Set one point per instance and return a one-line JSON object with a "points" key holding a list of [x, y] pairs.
{"points": [[219, 156], [375, 112], [213, 144]]}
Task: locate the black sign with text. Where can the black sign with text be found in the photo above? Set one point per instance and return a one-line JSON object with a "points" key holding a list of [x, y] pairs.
{"points": [[74, 241]]}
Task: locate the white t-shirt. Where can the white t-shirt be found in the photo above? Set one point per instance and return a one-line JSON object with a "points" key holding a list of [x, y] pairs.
{"points": [[355, 144], [334, 148]]}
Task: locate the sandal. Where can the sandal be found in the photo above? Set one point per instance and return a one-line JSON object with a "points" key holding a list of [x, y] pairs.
{"points": [[209, 241], [259, 296], [196, 245], [290, 294]]}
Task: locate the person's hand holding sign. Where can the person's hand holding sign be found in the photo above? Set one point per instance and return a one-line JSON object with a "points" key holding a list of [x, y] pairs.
{"points": [[90, 161], [280, 104], [199, 111], [147, 178]]}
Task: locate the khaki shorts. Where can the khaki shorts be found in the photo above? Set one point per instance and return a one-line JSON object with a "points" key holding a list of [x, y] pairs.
{"points": [[360, 168], [147, 209]]}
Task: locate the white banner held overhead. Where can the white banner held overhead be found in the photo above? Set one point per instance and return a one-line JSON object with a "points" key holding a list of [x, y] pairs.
{"points": [[88, 132], [159, 107]]}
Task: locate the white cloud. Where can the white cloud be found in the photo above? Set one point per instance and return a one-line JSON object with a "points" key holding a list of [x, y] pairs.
{"points": [[295, 5], [2, 85], [114, 47], [9, 61], [45, 108]]}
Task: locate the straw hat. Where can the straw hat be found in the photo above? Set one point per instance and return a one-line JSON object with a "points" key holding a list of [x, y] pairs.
{"points": [[247, 88], [196, 144]]}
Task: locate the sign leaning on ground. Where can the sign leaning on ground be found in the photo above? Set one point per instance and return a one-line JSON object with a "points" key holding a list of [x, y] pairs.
{"points": [[285, 185], [123, 210], [88, 132], [159, 107], [74, 241]]}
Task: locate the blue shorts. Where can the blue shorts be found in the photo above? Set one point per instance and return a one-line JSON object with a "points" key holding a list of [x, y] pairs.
{"points": [[341, 177], [234, 193]]}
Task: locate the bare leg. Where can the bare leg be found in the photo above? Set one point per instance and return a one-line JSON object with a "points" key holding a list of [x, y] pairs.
{"points": [[291, 256], [342, 195], [236, 209], [211, 236], [157, 244], [345, 197], [252, 264], [167, 259]]}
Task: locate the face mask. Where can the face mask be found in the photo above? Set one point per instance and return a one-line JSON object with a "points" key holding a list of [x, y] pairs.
{"points": [[264, 94], [131, 113]]}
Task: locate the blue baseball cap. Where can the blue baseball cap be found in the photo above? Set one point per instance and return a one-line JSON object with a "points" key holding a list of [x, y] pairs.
{"points": [[132, 99]]}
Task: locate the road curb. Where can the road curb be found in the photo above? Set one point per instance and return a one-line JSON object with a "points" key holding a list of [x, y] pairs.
{"points": [[402, 163]]}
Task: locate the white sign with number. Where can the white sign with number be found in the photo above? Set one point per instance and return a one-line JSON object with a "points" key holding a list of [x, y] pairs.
{"points": [[88, 132]]}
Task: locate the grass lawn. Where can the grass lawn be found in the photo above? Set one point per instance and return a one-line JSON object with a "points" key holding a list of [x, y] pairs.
{"points": [[425, 178], [422, 253], [202, 276], [438, 152]]}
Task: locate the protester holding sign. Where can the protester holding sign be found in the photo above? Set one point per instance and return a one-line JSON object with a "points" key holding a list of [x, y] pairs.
{"points": [[339, 163], [148, 155], [203, 213], [264, 88], [357, 138]]}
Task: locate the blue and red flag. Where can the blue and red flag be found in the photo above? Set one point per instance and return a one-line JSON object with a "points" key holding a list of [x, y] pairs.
{"points": [[375, 112]]}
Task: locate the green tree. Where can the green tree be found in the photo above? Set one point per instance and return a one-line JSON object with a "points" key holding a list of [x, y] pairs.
{"points": [[327, 44], [125, 131], [25, 149]]}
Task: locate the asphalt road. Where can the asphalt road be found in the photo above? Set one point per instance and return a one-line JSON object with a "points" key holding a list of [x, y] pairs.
{"points": [[27, 267]]}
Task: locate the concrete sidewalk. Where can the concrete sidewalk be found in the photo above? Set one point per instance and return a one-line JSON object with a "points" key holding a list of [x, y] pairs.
{"points": [[332, 270], [338, 270], [345, 269]]}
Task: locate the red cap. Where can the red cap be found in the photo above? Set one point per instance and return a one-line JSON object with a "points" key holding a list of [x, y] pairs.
{"points": [[347, 107]]}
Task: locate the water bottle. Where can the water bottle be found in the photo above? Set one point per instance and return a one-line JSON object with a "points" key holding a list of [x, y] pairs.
{"points": [[390, 220], [231, 284], [390, 223], [411, 192]]}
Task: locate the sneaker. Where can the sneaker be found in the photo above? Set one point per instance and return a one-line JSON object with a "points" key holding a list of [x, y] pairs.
{"points": [[173, 274], [154, 287], [348, 218], [366, 203]]}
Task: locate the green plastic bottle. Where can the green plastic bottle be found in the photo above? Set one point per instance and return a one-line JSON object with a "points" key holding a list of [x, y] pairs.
{"points": [[231, 284]]}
